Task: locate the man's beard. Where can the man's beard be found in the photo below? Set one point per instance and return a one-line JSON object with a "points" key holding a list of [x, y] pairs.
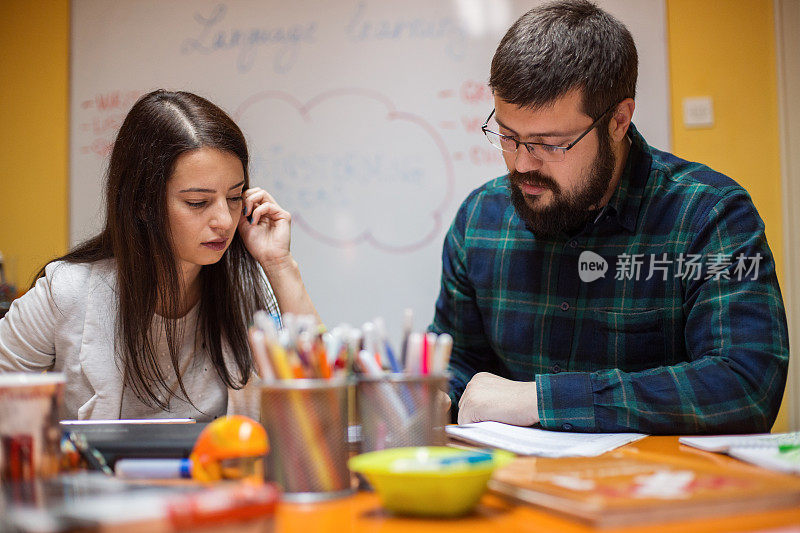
{"points": [[565, 212]]}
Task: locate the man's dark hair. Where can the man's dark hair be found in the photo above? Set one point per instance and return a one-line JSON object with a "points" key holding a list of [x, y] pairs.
{"points": [[565, 45]]}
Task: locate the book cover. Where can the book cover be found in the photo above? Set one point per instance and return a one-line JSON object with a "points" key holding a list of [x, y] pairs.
{"points": [[630, 486]]}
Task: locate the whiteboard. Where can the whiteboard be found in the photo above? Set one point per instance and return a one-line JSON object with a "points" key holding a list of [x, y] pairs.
{"points": [[362, 118]]}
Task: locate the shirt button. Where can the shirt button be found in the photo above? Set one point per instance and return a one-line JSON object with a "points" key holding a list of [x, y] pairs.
{"points": [[566, 427], [556, 368], [564, 306], [573, 243]]}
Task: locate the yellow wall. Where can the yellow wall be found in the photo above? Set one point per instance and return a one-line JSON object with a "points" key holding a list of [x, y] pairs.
{"points": [[34, 69], [719, 48], [725, 49]]}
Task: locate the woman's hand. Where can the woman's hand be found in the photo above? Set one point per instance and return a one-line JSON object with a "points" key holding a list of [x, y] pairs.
{"points": [[268, 236]]}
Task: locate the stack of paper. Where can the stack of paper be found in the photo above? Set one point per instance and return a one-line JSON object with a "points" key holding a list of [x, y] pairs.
{"points": [[531, 441], [777, 451]]}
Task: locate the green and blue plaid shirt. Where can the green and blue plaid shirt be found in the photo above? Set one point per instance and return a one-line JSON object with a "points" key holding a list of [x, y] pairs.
{"points": [[683, 332]]}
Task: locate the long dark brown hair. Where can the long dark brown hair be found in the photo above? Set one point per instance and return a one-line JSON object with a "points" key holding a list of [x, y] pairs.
{"points": [[160, 127]]}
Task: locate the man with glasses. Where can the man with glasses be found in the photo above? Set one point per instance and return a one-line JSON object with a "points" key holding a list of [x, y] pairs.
{"points": [[603, 285]]}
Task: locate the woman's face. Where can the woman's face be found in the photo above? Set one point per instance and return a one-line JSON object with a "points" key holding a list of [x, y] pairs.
{"points": [[204, 203]]}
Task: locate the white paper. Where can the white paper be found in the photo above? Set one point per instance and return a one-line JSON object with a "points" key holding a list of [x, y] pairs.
{"points": [[772, 458], [531, 441], [722, 443]]}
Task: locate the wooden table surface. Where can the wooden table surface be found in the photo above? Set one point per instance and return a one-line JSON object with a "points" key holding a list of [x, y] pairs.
{"points": [[362, 512]]}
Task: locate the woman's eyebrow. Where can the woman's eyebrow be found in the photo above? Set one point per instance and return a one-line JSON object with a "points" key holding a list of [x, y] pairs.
{"points": [[200, 189]]}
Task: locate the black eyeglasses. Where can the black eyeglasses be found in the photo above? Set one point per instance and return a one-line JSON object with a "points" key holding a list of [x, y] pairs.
{"points": [[545, 152]]}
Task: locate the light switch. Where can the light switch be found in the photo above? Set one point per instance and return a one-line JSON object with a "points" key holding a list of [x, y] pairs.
{"points": [[698, 112]]}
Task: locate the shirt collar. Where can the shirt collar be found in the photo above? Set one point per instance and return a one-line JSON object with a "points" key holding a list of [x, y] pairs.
{"points": [[626, 201]]}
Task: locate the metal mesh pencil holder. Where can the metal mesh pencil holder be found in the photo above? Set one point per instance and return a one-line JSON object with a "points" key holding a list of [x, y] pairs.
{"points": [[399, 410], [306, 422]]}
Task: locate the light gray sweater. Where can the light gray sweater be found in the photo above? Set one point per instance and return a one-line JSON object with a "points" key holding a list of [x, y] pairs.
{"points": [[67, 323]]}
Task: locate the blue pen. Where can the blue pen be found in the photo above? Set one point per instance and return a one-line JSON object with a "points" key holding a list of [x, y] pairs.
{"points": [[433, 464], [392, 359], [467, 458], [380, 330]]}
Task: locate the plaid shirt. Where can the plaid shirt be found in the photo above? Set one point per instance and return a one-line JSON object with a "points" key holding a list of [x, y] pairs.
{"points": [[684, 333]]}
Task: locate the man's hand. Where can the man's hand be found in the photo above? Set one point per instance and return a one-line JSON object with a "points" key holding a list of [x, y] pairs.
{"points": [[490, 397]]}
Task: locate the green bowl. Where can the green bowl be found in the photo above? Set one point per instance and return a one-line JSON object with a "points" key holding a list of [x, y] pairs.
{"points": [[445, 491]]}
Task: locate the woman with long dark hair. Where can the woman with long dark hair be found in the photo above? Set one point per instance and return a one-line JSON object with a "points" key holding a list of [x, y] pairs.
{"points": [[149, 318]]}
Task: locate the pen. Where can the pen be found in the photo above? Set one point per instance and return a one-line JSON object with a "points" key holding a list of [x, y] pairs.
{"points": [[467, 459], [414, 353], [93, 458], [153, 468]]}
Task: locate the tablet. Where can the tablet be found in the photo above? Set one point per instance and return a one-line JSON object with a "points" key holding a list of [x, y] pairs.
{"points": [[135, 439]]}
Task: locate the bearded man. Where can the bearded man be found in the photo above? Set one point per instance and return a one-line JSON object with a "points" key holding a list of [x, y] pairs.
{"points": [[603, 285]]}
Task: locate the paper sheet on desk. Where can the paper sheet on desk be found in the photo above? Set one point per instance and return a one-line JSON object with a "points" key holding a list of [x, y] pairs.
{"points": [[723, 443], [531, 441]]}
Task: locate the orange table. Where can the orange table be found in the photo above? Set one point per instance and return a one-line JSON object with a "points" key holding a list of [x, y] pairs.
{"points": [[363, 512]]}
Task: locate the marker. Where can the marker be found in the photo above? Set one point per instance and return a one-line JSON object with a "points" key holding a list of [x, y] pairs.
{"points": [[320, 357], [441, 353], [291, 327], [427, 352], [393, 405], [371, 341], [305, 351], [258, 345], [353, 347], [368, 363], [262, 321], [333, 344], [153, 468], [408, 326], [383, 345], [414, 353], [280, 361]]}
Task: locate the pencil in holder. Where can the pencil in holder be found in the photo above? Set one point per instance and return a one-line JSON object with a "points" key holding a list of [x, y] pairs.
{"points": [[399, 410], [306, 422]]}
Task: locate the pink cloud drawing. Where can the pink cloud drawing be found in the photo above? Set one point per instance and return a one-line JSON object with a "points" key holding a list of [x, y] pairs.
{"points": [[350, 167]]}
